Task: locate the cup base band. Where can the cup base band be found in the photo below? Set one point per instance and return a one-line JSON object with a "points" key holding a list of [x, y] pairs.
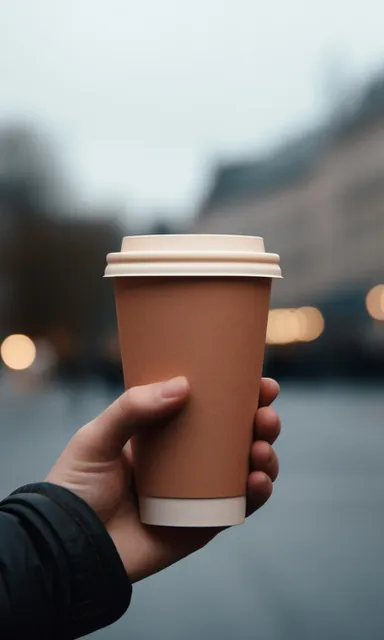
{"points": [[187, 512]]}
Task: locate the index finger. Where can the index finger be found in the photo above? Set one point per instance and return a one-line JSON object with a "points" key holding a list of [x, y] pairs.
{"points": [[269, 390]]}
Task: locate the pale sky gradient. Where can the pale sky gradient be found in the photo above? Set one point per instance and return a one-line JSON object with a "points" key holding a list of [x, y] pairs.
{"points": [[143, 96]]}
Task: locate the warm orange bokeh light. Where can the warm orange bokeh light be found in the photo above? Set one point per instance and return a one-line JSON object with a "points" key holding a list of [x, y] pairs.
{"points": [[18, 352], [286, 326], [375, 302]]}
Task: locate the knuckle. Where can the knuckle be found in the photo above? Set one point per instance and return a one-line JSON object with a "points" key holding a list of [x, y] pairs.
{"points": [[127, 404], [138, 401]]}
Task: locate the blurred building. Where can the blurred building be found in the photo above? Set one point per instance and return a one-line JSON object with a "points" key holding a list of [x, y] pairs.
{"points": [[52, 256], [318, 200], [56, 268], [33, 190]]}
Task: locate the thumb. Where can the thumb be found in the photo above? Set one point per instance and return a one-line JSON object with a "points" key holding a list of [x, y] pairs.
{"points": [[136, 408]]}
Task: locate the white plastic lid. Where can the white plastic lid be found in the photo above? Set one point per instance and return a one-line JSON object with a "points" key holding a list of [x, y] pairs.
{"points": [[193, 255]]}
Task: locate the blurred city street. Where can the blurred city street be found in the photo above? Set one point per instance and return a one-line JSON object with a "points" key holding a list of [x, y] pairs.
{"points": [[308, 566]]}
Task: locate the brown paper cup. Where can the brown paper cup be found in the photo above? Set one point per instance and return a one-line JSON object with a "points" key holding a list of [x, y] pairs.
{"points": [[195, 306]]}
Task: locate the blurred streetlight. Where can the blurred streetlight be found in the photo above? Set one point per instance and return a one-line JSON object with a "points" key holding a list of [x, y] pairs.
{"points": [[375, 302], [287, 326], [283, 326], [313, 323], [18, 352]]}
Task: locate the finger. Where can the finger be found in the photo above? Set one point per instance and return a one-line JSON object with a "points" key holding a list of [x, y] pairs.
{"points": [[260, 489], [267, 425], [269, 390], [128, 453], [264, 458], [137, 408]]}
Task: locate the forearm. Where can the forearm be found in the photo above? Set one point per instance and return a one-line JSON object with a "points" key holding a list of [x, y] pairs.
{"points": [[60, 574]]}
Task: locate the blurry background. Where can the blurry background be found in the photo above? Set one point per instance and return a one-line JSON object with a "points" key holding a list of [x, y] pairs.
{"points": [[210, 117]]}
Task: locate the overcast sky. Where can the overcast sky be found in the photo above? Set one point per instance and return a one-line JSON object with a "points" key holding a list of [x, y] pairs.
{"points": [[143, 96]]}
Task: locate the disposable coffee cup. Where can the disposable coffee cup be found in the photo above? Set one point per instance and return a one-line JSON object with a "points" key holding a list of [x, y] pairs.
{"points": [[197, 306]]}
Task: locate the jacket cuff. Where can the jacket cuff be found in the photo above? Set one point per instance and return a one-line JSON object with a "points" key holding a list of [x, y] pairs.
{"points": [[100, 588]]}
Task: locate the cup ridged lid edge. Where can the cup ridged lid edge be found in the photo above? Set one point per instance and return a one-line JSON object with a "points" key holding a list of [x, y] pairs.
{"points": [[194, 254]]}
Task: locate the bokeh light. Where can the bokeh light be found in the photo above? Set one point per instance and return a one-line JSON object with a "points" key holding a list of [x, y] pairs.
{"points": [[18, 352], [313, 323], [375, 302], [287, 326]]}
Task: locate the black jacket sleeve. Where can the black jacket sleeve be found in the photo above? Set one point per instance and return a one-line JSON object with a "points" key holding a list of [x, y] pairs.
{"points": [[60, 574]]}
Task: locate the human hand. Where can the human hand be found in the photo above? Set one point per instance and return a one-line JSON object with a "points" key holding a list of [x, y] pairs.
{"points": [[97, 466]]}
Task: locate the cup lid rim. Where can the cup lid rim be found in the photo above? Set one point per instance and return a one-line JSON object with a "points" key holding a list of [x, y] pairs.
{"points": [[193, 254]]}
